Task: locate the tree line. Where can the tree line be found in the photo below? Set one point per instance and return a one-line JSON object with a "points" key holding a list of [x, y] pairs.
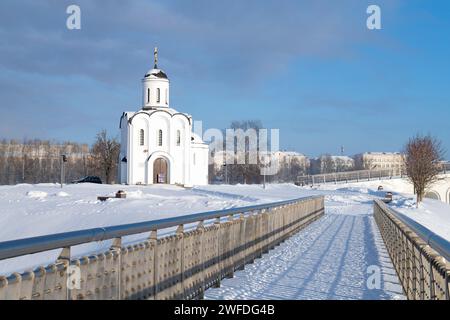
{"points": [[39, 161]]}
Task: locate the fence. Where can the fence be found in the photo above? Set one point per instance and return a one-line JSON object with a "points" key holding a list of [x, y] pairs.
{"points": [[358, 175], [419, 256], [178, 266]]}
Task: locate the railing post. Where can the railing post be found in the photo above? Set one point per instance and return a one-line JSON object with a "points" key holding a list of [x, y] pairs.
{"points": [[201, 229], [231, 247], [447, 293], [117, 247], [242, 244], [64, 258], [180, 233], [153, 239], [219, 258], [432, 282]]}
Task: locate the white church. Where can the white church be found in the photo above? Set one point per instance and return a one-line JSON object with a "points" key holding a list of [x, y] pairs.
{"points": [[157, 142]]}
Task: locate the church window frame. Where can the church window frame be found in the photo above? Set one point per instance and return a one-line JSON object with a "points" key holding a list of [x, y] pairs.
{"points": [[160, 138], [167, 96], [178, 138], [141, 137], [148, 95], [158, 95]]}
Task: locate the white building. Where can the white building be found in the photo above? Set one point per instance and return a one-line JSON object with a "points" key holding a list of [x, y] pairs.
{"points": [[330, 164], [157, 142], [381, 160]]}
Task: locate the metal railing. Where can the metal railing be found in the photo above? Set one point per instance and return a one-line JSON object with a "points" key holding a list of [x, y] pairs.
{"points": [[420, 257], [180, 266], [358, 175]]}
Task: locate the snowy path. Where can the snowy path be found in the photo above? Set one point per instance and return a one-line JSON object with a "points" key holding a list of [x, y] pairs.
{"points": [[328, 259]]}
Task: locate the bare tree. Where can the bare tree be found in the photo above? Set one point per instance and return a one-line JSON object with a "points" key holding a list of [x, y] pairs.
{"points": [[105, 152], [243, 171], [327, 164], [423, 155]]}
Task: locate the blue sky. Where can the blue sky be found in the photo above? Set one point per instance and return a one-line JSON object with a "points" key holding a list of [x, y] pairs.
{"points": [[310, 68]]}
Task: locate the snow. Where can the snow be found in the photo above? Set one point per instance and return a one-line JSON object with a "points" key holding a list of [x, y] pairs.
{"points": [[327, 260], [433, 214], [37, 194]]}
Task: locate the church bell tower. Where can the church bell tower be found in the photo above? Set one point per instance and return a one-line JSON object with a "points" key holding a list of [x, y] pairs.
{"points": [[155, 87]]}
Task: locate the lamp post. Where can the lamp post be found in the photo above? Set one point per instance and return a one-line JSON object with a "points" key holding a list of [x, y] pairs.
{"points": [[63, 161], [226, 173], [263, 166]]}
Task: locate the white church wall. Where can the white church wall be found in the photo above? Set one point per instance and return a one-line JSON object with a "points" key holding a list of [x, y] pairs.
{"points": [[122, 167], [181, 124], [151, 86], [139, 152], [199, 164]]}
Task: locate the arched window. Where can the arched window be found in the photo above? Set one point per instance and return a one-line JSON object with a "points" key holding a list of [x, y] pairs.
{"points": [[148, 95], [141, 137], [178, 138], [158, 95], [160, 138], [167, 100]]}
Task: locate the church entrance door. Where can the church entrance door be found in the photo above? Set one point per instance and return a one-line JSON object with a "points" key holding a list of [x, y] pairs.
{"points": [[160, 171]]}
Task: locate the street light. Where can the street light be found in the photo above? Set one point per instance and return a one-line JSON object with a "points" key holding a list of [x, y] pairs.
{"points": [[226, 173], [63, 160], [263, 166]]}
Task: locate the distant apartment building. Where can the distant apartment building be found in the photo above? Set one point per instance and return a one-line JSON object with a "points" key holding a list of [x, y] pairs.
{"points": [[330, 164], [292, 158], [290, 164], [380, 160], [288, 158]]}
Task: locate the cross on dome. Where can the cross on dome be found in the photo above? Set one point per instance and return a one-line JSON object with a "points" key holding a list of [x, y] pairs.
{"points": [[155, 55]]}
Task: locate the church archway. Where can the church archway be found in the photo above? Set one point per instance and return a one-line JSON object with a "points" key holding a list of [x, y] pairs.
{"points": [[160, 171], [150, 164], [432, 195]]}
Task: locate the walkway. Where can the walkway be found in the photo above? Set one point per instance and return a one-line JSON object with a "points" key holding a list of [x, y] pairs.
{"points": [[329, 259]]}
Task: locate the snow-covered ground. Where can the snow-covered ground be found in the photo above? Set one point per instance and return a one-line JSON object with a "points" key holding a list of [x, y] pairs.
{"points": [[33, 210], [345, 237]]}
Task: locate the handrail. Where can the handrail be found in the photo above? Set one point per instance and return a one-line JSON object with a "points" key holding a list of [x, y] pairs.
{"points": [[356, 175], [439, 244], [20, 247]]}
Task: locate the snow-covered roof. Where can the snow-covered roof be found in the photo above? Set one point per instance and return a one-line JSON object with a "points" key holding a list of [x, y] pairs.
{"points": [[171, 111], [156, 74], [293, 153], [383, 153], [196, 138], [290, 153], [345, 158]]}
